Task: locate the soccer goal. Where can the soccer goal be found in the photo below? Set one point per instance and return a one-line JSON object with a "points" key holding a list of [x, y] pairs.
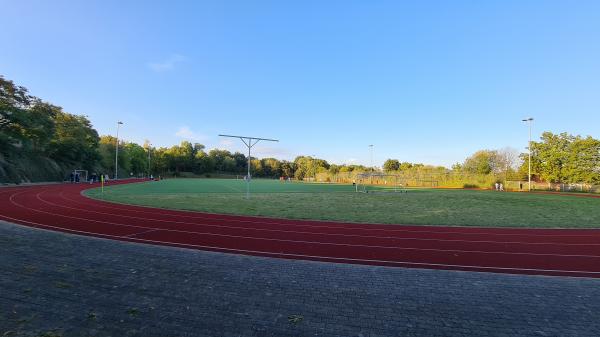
{"points": [[373, 182], [83, 174]]}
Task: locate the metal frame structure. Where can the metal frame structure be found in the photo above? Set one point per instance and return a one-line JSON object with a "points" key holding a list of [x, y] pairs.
{"points": [[361, 178], [529, 121], [149, 149], [119, 123], [249, 142], [79, 172]]}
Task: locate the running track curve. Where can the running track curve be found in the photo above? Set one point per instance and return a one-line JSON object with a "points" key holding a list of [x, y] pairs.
{"points": [[62, 207]]}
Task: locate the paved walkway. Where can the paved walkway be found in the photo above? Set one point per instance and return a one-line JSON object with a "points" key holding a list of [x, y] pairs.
{"points": [[55, 284]]}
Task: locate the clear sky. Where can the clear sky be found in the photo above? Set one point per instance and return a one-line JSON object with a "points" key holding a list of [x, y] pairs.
{"points": [[424, 81]]}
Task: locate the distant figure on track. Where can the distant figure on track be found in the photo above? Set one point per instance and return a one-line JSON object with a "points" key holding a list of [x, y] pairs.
{"points": [[497, 187], [501, 187]]}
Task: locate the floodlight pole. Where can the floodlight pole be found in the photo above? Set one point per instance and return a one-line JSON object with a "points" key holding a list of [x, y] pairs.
{"points": [[149, 149], [312, 161], [249, 142], [371, 147], [119, 123], [529, 121]]}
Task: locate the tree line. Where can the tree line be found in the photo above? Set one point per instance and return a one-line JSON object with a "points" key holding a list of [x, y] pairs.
{"points": [[40, 142], [555, 158]]}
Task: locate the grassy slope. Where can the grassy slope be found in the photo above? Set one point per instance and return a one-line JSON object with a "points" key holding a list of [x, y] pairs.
{"points": [[339, 202]]}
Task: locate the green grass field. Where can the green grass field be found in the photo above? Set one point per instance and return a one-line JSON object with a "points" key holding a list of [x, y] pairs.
{"points": [[339, 202]]}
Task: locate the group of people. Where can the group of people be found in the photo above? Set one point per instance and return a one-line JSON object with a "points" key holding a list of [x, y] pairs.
{"points": [[97, 178], [75, 177], [499, 187]]}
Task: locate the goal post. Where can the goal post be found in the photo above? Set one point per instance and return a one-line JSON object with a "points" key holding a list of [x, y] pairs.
{"points": [[83, 174], [371, 182]]}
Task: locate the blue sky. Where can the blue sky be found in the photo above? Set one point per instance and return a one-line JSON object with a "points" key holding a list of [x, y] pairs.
{"points": [[427, 81]]}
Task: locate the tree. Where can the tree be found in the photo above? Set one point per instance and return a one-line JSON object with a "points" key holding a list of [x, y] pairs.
{"points": [[138, 159], [288, 169], [482, 162], [106, 151], [223, 160], [583, 161], [271, 167], [240, 162], [74, 142], [180, 157], [564, 158], [39, 125], [405, 166], [160, 161], [391, 165]]}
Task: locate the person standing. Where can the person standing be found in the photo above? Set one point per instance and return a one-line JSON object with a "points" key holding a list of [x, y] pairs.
{"points": [[497, 186]]}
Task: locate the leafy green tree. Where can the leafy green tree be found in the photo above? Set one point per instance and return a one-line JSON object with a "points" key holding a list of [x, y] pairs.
{"points": [[481, 162], [288, 169], [106, 151], [583, 161], [391, 165], [138, 159], [563, 158], [74, 142], [160, 161], [457, 167], [241, 162], [223, 160], [181, 157], [203, 163], [405, 166], [39, 125], [271, 167]]}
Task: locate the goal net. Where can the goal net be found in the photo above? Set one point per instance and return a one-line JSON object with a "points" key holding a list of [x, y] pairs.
{"points": [[378, 182], [82, 174]]}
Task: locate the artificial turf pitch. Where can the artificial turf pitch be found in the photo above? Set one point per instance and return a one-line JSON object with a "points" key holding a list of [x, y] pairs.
{"points": [[339, 202]]}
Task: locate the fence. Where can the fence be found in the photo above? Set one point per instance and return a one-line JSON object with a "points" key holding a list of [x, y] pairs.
{"points": [[558, 187]]}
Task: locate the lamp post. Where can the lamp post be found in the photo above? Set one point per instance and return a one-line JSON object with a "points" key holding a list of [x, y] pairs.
{"points": [[529, 121], [372, 170], [314, 169], [119, 123], [149, 149], [371, 147]]}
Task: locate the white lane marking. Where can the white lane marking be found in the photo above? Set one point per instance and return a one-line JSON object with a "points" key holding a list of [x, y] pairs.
{"points": [[315, 257], [140, 233], [317, 233], [341, 225], [311, 242]]}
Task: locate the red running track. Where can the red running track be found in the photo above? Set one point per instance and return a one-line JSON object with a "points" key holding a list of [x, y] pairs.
{"points": [[62, 207]]}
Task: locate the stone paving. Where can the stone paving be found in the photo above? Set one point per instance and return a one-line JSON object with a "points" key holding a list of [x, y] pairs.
{"points": [[55, 284]]}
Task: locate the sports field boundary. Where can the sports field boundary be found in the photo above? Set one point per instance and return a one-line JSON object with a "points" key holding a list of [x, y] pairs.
{"points": [[562, 252]]}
